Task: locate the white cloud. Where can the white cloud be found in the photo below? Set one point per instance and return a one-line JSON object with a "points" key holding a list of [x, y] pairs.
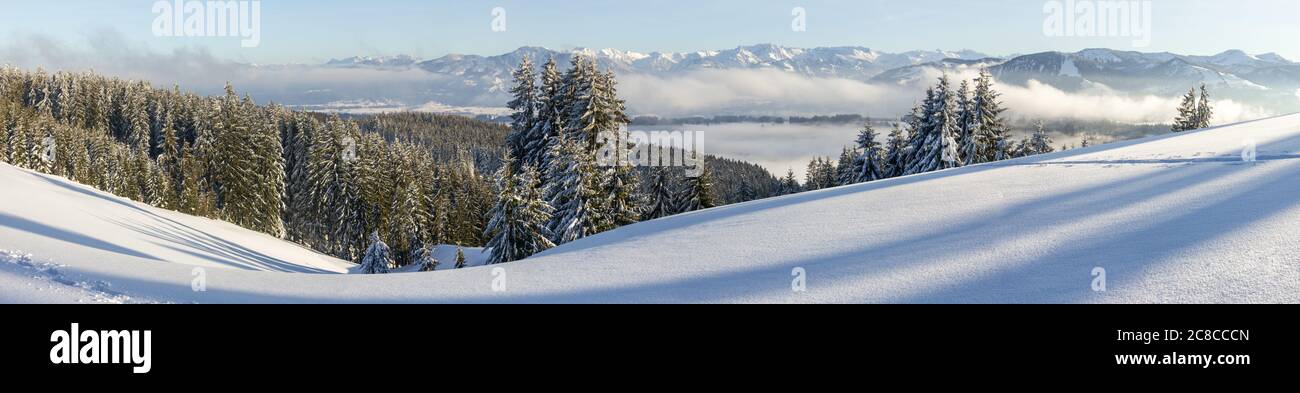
{"points": [[108, 53], [748, 91]]}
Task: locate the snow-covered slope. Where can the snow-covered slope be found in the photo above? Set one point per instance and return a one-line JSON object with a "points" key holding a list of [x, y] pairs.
{"points": [[1173, 218]]}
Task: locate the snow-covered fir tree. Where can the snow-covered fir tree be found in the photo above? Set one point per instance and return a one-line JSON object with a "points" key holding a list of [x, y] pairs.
{"points": [[582, 102], [250, 173], [662, 198], [332, 195], [698, 193], [425, 260], [870, 162], [169, 163], [967, 143], [896, 152], [1204, 109], [574, 193], [524, 116], [378, 258], [915, 121], [1088, 140], [991, 134], [817, 176], [936, 146], [846, 172], [1039, 142], [550, 117], [517, 228], [790, 185], [460, 258], [620, 185], [1188, 118]]}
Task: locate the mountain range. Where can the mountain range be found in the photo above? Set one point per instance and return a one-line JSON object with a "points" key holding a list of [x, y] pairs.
{"points": [[472, 80]]}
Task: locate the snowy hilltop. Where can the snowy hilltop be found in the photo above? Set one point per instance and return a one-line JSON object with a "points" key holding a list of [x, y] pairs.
{"points": [[1202, 216]]}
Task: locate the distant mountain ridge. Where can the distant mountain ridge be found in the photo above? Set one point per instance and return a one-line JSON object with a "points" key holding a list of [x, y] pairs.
{"points": [[846, 62], [484, 80]]}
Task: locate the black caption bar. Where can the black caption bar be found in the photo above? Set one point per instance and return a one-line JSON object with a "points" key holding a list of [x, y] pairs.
{"points": [[203, 342]]}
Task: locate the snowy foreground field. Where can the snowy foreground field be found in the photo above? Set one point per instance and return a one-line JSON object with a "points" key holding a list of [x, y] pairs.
{"points": [[1174, 218]]}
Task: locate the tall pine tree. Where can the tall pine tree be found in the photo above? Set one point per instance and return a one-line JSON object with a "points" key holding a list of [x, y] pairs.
{"points": [[697, 193], [574, 193], [662, 201], [1188, 118], [936, 146], [517, 228], [991, 134], [870, 163], [1204, 110], [524, 107]]}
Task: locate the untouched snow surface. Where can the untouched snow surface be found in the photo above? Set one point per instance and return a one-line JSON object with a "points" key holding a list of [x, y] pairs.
{"points": [[1172, 218]]}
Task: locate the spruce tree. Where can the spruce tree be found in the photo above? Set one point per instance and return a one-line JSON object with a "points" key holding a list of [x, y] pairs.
{"points": [[812, 175], [1039, 142], [1204, 110], [790, 185], [550, 118], [620, 185], [845, 169], [524, 116], [967, 143], [698, 193], [1187, 115], [169, 162], [377, 258], [517, 228], [869, 165], [662, 197], [579, 102], [991, 134], [574, 193], [937, 148], [333, 196], [425, 260], [916, 133], [896, 153]]}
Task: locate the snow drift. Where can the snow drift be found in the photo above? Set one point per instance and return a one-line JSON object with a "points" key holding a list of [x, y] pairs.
{"points": [[1172, 218]]}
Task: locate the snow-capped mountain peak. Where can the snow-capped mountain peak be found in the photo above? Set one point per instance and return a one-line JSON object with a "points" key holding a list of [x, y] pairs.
{"points": [[476, 80]]}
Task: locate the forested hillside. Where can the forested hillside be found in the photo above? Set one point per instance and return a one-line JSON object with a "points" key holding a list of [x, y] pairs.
{"points": [[319, 181]]}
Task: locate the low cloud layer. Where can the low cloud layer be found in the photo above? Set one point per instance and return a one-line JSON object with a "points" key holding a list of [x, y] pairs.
{"points": [[772, 91]]}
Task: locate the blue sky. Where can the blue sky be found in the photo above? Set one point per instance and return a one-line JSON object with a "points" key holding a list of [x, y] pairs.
{"points": [[313, 31]]}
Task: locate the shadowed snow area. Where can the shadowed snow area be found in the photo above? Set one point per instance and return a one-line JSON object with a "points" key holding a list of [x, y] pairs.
{"points": [[1172, 218]]}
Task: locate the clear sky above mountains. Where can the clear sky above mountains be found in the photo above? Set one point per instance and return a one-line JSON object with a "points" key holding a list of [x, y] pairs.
{"points": [[295, 31]]}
